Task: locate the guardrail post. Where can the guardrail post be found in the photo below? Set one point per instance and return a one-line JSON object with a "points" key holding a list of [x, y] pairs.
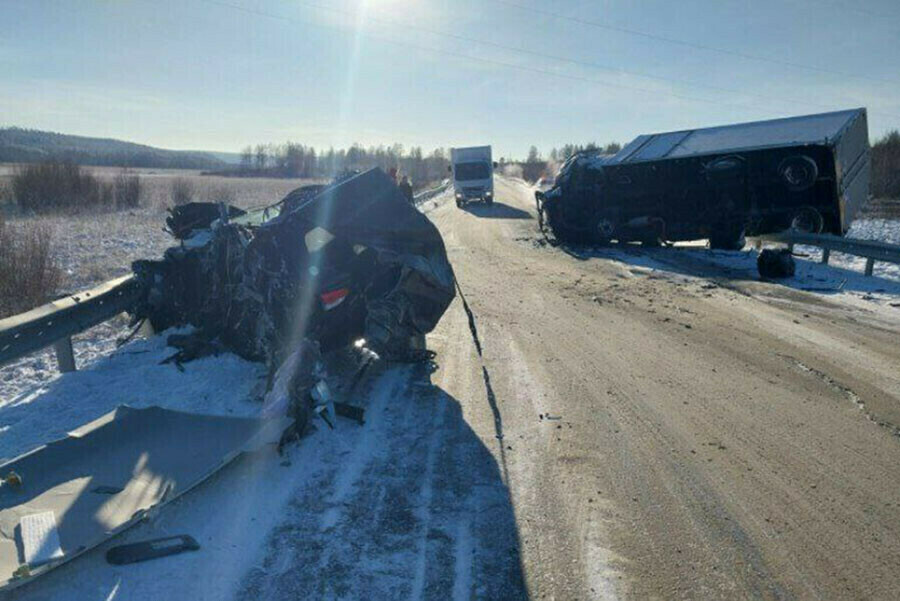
{"points": [[870, 263], [826, 252], [65, 357]]}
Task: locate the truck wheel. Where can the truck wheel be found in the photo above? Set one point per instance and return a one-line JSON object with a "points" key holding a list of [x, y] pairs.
{"points": [[603, 231], [489, 201], [798, 172], [727, 237], [808, 221]]}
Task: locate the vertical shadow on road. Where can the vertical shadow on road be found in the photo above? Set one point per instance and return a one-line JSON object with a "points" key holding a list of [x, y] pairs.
{"points": [[429, 515]]}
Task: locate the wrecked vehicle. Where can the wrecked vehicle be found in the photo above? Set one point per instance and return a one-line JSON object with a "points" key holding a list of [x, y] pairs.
{"points": [[809, 173], [326, 266]]}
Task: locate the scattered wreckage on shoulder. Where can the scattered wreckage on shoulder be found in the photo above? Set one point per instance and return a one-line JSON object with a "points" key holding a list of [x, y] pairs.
{"points": [[323, 268], [808, 173], [284, 285]]}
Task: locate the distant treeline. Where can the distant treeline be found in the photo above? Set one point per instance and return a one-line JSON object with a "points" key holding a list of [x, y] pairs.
{"points": [[298, 160], [537, 166], [19, 145]]}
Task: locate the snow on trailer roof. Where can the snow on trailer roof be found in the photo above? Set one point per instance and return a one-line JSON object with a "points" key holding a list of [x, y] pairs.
{"points": [[823, 128]]}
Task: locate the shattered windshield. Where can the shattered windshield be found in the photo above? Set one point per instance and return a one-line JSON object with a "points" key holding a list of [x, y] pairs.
{"points": [[471, 171]]}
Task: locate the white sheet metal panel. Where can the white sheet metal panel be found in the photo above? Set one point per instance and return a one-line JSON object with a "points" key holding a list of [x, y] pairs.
{"points": [[824, 128], [661, 146], [106, 475], [809, 129]]}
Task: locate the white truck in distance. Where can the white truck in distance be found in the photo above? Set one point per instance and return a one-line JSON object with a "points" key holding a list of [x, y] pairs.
{"points": [[473, 174]]}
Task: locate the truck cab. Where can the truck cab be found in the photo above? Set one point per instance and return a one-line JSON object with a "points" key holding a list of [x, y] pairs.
{"points": [[473, 174]]}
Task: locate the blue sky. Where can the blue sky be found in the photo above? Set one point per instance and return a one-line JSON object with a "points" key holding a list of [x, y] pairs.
{"points": [[217, 75]]}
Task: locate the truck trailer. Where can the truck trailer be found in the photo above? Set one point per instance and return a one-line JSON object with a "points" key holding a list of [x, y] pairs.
{"points": [[808, 173], [473, 174]]}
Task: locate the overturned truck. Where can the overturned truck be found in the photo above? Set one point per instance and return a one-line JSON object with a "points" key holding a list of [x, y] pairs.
{"points": [[326, 266], [809, 173]]}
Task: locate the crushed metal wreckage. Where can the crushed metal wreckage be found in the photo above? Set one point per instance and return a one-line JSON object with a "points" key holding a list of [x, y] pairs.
{"points": [[321, 269]]}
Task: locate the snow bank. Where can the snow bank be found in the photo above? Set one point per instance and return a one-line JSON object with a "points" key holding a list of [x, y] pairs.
{"points": [[44, 406], [884, 230]]}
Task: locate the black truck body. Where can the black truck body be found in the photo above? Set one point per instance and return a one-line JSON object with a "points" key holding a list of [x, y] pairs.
{"points": [[810, 173]]}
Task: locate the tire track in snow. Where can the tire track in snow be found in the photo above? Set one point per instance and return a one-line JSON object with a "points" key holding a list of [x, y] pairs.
{"points": [[352, 468], [426, 495], [411, 506]]}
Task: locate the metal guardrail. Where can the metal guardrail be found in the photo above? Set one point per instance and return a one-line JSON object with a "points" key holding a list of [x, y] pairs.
{"points": [[55, 323], [872, 250]]}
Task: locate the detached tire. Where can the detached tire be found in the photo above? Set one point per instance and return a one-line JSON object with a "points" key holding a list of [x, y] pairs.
{"points": [[775, 263]]}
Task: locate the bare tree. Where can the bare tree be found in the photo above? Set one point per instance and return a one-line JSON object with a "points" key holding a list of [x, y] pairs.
{"points": [[262, 157], [247, 158]]}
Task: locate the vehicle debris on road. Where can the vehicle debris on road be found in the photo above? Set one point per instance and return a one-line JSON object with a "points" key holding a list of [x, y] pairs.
{"points": [[151, 549], [776, 263], [135, 460]]}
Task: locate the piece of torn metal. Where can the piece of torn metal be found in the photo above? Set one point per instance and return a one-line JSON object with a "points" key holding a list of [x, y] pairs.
{"points": [[66, 502]]}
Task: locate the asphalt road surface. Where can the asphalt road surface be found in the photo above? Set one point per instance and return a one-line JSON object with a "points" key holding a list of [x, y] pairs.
{"points": [[673, 434]]}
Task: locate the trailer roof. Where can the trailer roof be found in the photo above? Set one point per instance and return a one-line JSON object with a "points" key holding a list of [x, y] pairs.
{"points": [[823, 128]]}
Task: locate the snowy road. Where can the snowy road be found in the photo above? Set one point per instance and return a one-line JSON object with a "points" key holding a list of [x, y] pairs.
{"points": [[641, 424]]}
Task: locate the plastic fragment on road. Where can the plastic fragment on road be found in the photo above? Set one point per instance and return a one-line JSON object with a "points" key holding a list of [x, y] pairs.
{"points": [[151, 549], [321, 394]]}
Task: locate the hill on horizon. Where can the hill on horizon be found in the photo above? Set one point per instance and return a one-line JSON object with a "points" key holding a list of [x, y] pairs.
{"points": [[19, 145]]}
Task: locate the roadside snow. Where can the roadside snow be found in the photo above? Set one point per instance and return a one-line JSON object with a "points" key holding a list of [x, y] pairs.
{"points": [[39, 369], [885, 230], [412, 502], [46, 407], [837, 282], [842, 279]]}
